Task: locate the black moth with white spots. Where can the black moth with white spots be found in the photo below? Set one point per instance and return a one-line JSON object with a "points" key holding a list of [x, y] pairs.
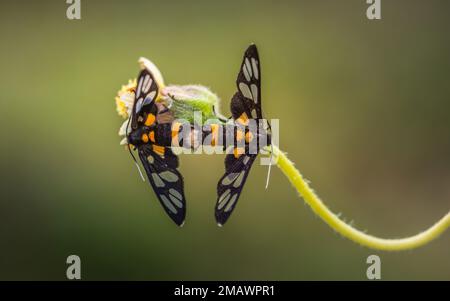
{"points": [[159, 162], [245, 104]]}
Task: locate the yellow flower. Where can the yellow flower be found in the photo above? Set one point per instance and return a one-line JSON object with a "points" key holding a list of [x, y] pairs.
{"points": [[125, 99]]}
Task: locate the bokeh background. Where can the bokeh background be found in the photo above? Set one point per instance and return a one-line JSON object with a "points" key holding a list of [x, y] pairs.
{"points": [[364, 113]]}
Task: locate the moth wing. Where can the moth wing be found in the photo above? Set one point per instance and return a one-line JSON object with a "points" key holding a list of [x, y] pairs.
{"points": [[248, 82], [166, 180], [144, 99], [230, 185]]}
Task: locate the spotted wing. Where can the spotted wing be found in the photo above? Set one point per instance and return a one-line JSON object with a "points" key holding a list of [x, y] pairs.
{"points": [[166, 181], [144, 100], [248, 97], [230, 185]]}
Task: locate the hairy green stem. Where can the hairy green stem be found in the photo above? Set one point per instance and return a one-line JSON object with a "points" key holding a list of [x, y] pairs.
{"points": [[346, 230]]}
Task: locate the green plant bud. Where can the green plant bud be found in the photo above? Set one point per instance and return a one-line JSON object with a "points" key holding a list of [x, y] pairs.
{"points": [[183, 101]]}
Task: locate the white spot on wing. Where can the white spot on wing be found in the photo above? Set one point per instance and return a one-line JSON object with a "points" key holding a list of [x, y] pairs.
{"points": [[231, 202], [224, 199], [138, 90], [149, 98], [247, 76], [167, 203], [239, 180], [176, 197], [249, 68], [139, 105], [175, 193], [254, 115], [157, 180], [254, 92], [147, 84], [224, 195], [176, 201], [169, 176], [245, 90], [255, 68], [229, 178]]}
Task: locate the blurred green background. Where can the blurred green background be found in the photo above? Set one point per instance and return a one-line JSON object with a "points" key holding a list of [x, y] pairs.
{"points": [[364, 113]]}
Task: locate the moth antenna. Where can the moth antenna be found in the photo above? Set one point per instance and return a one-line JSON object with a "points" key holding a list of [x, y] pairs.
{"points": [[140, 172], [270, 166], [135, 162], [271, 154]]}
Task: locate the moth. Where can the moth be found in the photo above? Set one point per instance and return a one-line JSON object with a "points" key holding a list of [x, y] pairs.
{"points": [[159, 163], [155, 131], [245, 109]]}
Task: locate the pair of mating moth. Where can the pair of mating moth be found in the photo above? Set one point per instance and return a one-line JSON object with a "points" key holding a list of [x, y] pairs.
{"points": [[154, 131]]}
